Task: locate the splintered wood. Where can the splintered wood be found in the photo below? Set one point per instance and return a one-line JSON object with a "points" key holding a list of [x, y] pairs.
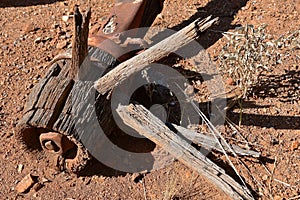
{"points": [[145, 123], [155, 53], [80, 40]]}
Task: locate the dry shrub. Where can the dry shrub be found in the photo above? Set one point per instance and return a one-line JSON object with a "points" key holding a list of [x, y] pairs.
{"points": [[251, 51]]}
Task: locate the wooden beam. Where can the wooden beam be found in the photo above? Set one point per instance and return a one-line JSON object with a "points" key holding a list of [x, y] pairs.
{"points": [[145, 123], [154, 53]]}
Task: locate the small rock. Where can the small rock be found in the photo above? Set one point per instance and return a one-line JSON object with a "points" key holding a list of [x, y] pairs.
{"points": [[19, 108], [20, 66], [55, 26], [47, 39], [265, 177], [229, 81], [25, 184], [4, 47], [69, 45], [137, 177], [29, 28], [61, 45], [36, 187], [38, 40], [44, 180], [20, 168], [295, 145], [160, 16], [68, 35], [274, 141], [278, 197], [65, 18]]}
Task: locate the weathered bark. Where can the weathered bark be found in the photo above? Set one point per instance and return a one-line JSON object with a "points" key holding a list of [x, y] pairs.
{"points": [[155, 53], [151, 127], [44, 107], [49, 107]]}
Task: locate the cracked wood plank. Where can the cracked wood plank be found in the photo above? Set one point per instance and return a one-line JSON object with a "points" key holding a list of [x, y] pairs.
{"points": [[154, 53], [209, 142], [140, 119]]}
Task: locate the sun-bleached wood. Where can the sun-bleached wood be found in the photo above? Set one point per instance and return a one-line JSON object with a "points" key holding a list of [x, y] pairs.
{"points": [[154, 53], [144, 122]]}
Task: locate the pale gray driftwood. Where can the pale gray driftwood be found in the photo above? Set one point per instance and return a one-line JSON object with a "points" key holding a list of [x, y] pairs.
{"points": [[154, 53], [209, 142], [144, 122]]}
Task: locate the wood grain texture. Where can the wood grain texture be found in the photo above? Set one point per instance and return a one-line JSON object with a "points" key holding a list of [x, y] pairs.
{"points": [[210, 143], [80, 40], [47, 110], [154, 53], [140, 119]]}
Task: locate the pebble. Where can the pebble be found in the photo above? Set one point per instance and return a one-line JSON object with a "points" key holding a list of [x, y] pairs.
{"points": [[68, 35], [65, 18], [29, 28], [37, 186], [38, 40], [44, 180], [265, 177], [4, 47], [229, 81], [19, 108], [278, 197], [20, 168], [55, 26], [295, 145], [61, 45], [189, 90], [25, 184]]}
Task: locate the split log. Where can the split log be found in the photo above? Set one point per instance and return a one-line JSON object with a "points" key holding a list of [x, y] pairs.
{"points": [[155, 53], [144, 122], [80, 40], [209, 142]]}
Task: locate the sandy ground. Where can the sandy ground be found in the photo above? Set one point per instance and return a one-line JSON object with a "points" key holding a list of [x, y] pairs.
{"points": [[33, 32]]}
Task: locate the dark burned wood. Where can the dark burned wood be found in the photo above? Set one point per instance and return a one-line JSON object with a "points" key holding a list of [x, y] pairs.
{"points": [[151, 127], [80, 40], [209, 142], [46, 106], [49, 107], [60, 104], [49, 95], [155, 53]]}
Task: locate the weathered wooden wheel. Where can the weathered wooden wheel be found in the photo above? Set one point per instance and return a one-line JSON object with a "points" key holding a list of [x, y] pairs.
{"points": [[54, 105], [46, 123], [64, 110]]}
